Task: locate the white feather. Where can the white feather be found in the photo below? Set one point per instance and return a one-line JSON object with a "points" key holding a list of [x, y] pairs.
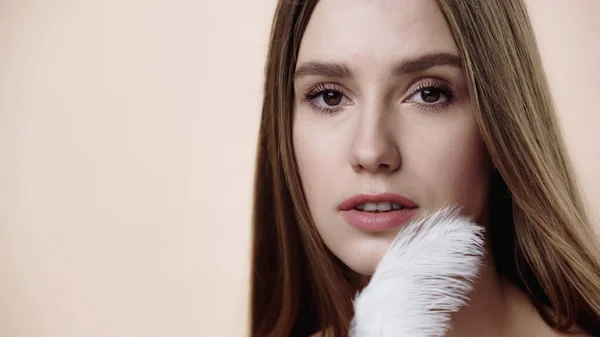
{"points": [[423, 278]]}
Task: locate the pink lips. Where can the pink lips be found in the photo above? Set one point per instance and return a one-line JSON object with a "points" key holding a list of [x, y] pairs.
{"points": [[371, 221]]}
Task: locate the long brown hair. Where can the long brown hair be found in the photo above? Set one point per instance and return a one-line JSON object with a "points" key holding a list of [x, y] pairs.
{"points": [[541, 237]]}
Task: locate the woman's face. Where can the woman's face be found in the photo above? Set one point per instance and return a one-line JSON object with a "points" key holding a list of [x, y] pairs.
{"points": [[382, 114]]}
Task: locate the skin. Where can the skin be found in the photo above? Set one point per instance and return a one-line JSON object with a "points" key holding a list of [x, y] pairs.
{"points": [[376, 131], [383, 136]]}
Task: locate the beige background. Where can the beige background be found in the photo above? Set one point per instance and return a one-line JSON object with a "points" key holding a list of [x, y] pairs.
{"points": [[127, 139]]}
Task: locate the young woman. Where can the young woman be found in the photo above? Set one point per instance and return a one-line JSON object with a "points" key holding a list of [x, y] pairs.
{"points": [[378, 111]]}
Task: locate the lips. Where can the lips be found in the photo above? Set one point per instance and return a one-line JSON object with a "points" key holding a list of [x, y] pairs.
{"points": [[377, 212], [378, 199]]}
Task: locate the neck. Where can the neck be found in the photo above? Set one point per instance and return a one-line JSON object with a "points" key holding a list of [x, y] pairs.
{"points": [[497, 307], [487, 310]]}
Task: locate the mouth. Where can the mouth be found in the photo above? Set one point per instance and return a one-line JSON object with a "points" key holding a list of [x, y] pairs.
{"points": [[383, 202], [377, 212], [378, 207]]}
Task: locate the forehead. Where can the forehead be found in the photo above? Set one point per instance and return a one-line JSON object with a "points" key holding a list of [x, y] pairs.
{"points": [[375, 31]]}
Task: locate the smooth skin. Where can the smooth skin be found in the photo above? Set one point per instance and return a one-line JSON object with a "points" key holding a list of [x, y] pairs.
{"points": [[381, 105]]}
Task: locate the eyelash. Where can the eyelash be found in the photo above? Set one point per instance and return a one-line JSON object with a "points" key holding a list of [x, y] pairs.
{"points": [[429, 84], [436, 85], [320, 89]]}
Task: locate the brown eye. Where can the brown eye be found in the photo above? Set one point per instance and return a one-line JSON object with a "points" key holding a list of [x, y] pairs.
{"points": [[332, 98], [430, 95], [327, 98]]}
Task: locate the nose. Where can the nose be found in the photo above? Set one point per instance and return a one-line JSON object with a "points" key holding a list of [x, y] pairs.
{"points": [[374, 148]]}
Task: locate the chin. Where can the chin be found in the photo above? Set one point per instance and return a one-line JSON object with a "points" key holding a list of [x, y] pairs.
{"points": [[366, 257], [365, 270]]}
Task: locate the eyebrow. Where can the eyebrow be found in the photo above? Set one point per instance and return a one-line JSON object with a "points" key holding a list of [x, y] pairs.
{"points": [[413, 65], [326, 69], [427, 61]]}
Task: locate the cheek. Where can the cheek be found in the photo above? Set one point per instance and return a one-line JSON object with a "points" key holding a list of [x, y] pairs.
{"points": [[468, 173], [452, 166], [317, 154]]}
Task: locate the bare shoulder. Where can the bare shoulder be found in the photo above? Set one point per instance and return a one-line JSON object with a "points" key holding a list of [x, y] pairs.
{"points": [[575, 331]]}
